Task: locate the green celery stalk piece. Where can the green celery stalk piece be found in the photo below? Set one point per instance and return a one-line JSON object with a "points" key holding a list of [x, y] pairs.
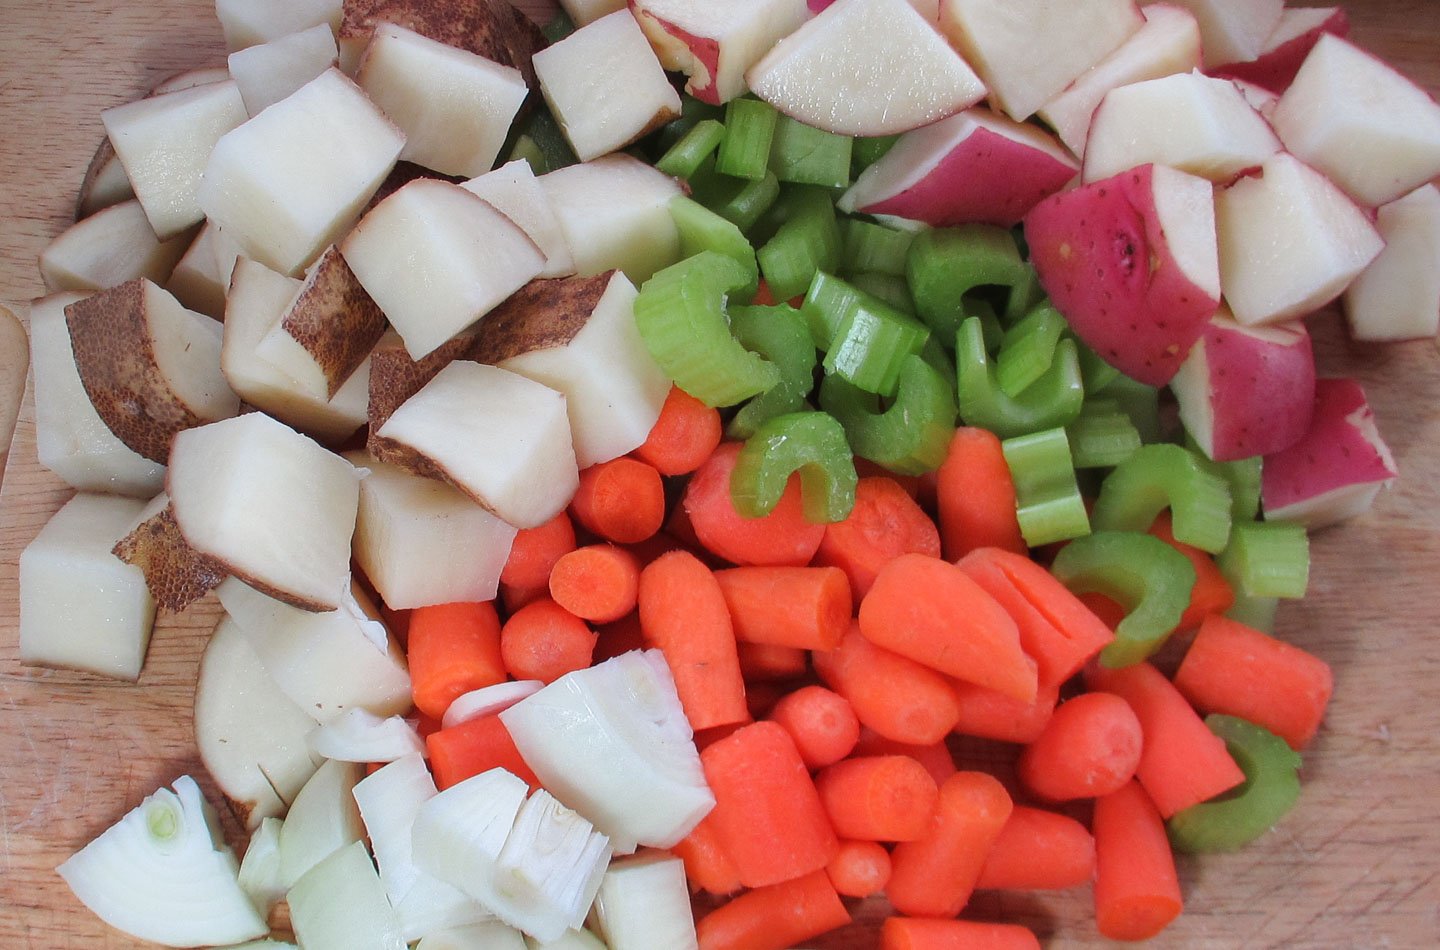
{"points": [[811, 443], [1270, 790]]}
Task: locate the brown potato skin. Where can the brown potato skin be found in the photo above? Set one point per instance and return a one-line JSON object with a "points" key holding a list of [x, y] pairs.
{"points": [[334, 319]]}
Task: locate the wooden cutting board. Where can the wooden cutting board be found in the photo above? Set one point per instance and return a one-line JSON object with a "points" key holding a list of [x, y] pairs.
{"points": [[1355, 865]]}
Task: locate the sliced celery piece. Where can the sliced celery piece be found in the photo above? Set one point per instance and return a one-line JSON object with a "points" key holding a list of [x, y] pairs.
{"points": [[872, 344], [1024, 294], [692, 112], [1267, 559], [809, 156], [526, 150], [749, 132], [1161, 476], [1243, 477], [1256, 612], [945, 264], [811, 443], [542, 129], [892, 290], [1141, 573], [684, 158], [680, 313], [1102, 436], [742, 203], [1097, 373], [703, 230], [1047, 497], [777, 333], [1140, 402], [868, 150], [829, 301], [1028, 349], [912, 435], [1270, 790], [934, 353], [807, 242], [1050, 402], [874, 248]]}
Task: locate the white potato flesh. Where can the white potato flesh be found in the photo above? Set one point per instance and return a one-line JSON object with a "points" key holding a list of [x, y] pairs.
{"points": [[165, 141], [515, 192], [187, 354], [644, 903], [422, 542], [605, 85], [715, 41], [501, 438], [269, 503], [202, 277], [436, 259], [612, 385], [1398, 296], [251, 736], [105, 183], [71, 439], [268, 72], [250, 22], [615, 214], [81, 607], [1234, 31], [190, 78], [108, 248], [455, 107], [289, 182]]}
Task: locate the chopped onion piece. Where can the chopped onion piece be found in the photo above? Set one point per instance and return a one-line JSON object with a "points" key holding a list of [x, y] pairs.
{"points": [[644, 904], [458, 835], [260, 868], [264, 945], [570, 940], [612, 742], [162, 873], [488, 700], [358, 735], [491, 935], [322, 820], [340, 903], [550, 868]]}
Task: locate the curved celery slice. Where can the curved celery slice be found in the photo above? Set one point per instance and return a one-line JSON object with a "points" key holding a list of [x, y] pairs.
{"points": [[1028, 349], [811, 443], [893, 290], [1052, 401], [875, 249], [777, 333], [749, 130], [872, 344], [1270, 789], [1141, 573], [684, 158], [703, 230], [1102, 436], [1163, 476], [1047, 497], [680, 313], [944, 264], [807, 242], [912, 435], [806, 155]]}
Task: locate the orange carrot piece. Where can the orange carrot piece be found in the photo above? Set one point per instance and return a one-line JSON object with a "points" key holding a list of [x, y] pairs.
{"points": [[599, 582], [1090, 747], [935, 756], [1182, 762], [768, 816], [932, 612], [475, 746], [683, 437], [991, 715], [885, 523], [891, 694], [775, 917], [912, 484], [1106, 610], [1038, 850], [535, 550], [878, 798], [976, 496], [622, 500], [1056, 629], [803, 607], [683, 613], [454, 648], [617, 637], [928, 933], [707, 866], [1212, 593], [934, 875], [781, 537], [822, 723], [1239, 671], [1137, 892], [859, 868], [761, 661], [544, 641]]}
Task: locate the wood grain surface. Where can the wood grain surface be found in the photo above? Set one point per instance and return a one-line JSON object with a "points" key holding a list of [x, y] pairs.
{"points": [[1355, 865]]}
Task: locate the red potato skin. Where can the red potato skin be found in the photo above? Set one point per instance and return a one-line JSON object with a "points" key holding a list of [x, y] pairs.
{"points": [[705, 50], [1275, 69], [1103, 259], [1334, 453]]}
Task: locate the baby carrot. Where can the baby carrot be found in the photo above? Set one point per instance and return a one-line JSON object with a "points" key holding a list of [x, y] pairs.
{"points": [[683, 437], [618, 636], [1038, 850], [775, 917], [622, 500], [932, 612], [598, 582], [891, 694], [1212, 593], [1234, 669], [1090, 747], [991, 715], [859, 868], [935, 874], [885, 523], [544, 641], [804, 607], [707, 866], [935, 756], [453, 649], [767, 816], [760, 661], [474, 746], [1137, 892], [683, 613], [878, 798], [822, 723], [781, 537], [1182, 762], [534, 552], [976, 496], [925, 933]]}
